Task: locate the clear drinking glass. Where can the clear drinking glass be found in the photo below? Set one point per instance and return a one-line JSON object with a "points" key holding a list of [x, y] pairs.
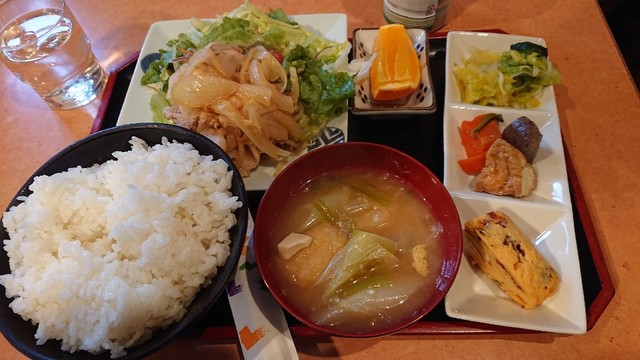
{"points": [[43, 44]]}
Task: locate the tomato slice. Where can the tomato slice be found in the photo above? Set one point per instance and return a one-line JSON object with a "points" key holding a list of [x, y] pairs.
{"points": [[278, 55]]}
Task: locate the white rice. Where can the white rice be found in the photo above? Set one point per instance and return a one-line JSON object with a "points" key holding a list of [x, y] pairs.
{"points": [[100, 257]]}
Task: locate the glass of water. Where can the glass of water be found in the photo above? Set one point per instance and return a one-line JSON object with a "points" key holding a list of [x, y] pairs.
{"points": [[43, 44]]}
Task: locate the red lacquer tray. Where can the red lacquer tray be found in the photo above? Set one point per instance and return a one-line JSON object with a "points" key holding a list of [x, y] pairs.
{"points": [[421, 137]]}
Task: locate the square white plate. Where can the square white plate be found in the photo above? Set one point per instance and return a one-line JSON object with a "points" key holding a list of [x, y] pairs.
{"points": [[459, 46], [135, 108], [552, 188], [546, 216]]}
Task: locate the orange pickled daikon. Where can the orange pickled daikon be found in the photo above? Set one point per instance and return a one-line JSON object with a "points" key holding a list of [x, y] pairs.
{"points": [[395, 71]]}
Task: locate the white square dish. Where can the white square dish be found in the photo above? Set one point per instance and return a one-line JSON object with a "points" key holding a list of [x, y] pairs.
{"points": [[545, 216], [422, 101], [459, 46], [553, 186], [135, 107], [473, 296]]}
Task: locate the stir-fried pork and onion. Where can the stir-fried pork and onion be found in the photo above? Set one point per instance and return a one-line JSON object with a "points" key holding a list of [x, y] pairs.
{"points": [[240, 99]]}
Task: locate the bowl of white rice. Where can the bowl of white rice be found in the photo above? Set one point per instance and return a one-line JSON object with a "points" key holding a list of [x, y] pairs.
{"points": [[120, 243]]}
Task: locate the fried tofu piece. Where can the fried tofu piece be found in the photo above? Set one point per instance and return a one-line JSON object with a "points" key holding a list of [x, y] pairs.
{"points": [[308, 263], [293, 243], [420, 263], [506, 172], [504, 253]]}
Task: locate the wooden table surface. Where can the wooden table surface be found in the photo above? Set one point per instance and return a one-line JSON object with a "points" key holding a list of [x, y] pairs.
{"points": [[599, 111]]}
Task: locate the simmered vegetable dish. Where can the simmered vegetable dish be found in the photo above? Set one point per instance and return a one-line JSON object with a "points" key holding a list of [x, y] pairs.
{"points": [[359, 250]]}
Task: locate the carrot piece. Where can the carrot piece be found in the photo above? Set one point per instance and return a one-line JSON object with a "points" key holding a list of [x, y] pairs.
{"points": [[477, 142], [473, 165], [477, 136]]}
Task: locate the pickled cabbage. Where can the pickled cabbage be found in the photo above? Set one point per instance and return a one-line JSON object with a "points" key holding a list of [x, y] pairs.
{"points": [[513, 78]]}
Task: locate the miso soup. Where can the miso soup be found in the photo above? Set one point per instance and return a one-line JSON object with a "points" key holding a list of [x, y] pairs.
{"points": [[374, 253]]}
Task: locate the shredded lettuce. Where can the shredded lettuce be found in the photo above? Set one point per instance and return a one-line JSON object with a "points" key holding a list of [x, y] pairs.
{"points": [[514, 78], [158, 103], [324, 90]]}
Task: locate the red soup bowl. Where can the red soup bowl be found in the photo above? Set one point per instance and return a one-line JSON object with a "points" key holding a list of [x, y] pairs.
{"points": [[378, 159]]}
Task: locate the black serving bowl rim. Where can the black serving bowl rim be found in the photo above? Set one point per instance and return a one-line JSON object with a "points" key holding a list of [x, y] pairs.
{"points": [[206, 297]]}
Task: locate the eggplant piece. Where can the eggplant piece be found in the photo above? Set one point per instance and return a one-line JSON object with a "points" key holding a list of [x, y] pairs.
{"points": [[524, 135]]}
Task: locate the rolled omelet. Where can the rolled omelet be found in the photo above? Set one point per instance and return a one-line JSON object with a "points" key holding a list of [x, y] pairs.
{"points": [[505, 254]]}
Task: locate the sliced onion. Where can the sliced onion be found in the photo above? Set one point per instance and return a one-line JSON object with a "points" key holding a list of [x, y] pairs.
{"points": [[196, 90], [227, 59], [256, 76], [282, 101], [274, 72], [293, 127], [244, 75], [258, 72], [265, 145], [257, 93]]}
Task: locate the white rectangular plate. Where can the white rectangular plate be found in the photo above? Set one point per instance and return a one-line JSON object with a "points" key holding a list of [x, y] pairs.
{"points": [[546, 216], [135, 108]]}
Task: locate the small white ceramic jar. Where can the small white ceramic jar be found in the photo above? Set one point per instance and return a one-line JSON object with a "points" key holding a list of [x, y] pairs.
{"points": [[427, 14]]}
